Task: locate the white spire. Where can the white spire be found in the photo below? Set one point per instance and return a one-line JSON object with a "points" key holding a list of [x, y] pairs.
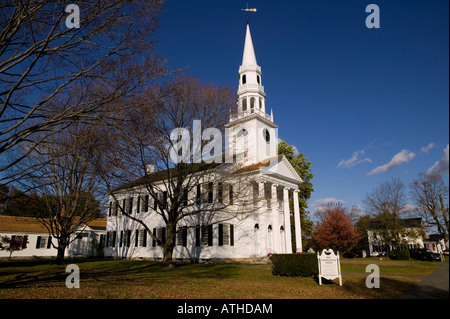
{"points": [[249, 57]]}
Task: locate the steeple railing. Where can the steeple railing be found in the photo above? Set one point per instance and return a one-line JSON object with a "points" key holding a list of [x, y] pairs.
{"points": [[242, 114]]}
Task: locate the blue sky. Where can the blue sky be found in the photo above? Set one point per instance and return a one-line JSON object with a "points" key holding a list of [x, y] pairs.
{"points": [[363, 105]]}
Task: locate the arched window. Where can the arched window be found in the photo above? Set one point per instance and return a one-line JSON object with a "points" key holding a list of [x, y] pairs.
{"points": [[244, 104], [258, 79], [252, 102], [244, 79], [260, 103]]}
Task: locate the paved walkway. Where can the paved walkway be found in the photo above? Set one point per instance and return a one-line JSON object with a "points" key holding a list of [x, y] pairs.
{"points": [[430, 287]]}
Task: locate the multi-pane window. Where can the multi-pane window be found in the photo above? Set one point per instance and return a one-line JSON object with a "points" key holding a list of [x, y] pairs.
{"points": [[226, 235], [43, 242], [181, 237], [141, 238]]}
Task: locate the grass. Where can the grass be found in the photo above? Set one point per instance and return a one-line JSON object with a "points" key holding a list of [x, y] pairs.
{"points": [[131, 279]]}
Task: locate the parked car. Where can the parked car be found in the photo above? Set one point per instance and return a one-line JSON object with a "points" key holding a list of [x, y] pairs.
{"points": [[424, 254], [350, 255]]}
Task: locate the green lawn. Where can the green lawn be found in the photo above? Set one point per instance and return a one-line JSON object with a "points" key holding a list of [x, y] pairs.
{"points": [[145, 279]]}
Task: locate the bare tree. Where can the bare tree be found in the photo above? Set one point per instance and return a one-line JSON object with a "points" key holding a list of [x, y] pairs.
{"points": [[387, 204], [430, 195], [52, 75], [189, 188], [69, 181]]}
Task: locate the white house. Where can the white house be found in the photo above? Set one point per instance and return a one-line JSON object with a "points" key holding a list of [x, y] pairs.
{"points": [[412, 236], [252, 134], [40, 242]]}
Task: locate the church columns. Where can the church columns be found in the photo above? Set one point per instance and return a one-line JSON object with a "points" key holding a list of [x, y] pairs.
{"points": [[298, 229], [276, 222], [287, 221]]}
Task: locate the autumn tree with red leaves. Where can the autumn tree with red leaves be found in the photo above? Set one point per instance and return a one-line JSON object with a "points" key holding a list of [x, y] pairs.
{"points": [[336, 230]]}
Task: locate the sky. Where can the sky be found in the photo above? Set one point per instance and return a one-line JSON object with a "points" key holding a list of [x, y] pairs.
{"points": [[363, 105]]}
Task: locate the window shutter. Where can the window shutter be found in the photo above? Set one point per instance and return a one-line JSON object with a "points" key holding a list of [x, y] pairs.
{"points": [[49, 242], [145, 208], [128, 237], [136, 240], [231, 235], [144, 243], [138, 205], [38, 242], [24, 242], [185, 236], [210, 235], [197, 236], [220, 234], [114, 238], [154, 234], [107, 239], [121, 238]]}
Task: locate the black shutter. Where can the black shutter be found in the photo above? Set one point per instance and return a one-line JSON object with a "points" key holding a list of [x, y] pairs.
{"points": [[114, 238], [154, 234], [121, 238], [107, 239], [197, 236], [128, 237], [210, 235], [231, 235], [138, 205], [144, 243], [49, 242], [185, 236], [24, 242], [220, 234], [136, 240], [38, 242]]}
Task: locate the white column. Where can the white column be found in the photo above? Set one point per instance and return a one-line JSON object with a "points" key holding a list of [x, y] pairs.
{"points": [[275, 220], [298, 228], [287, 222]]}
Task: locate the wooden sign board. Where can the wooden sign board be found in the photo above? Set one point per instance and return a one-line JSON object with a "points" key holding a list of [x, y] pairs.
{"points": [[329, 266]]}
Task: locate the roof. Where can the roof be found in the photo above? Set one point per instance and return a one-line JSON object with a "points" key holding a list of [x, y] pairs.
{"points": [[163, 175], [249, 57], [32, 225], [405, 222]]}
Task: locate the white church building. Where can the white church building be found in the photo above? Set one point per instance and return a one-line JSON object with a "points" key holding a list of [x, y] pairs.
{"points": [[263, 231]]}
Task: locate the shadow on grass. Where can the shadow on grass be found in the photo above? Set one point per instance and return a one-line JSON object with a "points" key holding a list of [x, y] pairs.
{"points": [[27, 273]]}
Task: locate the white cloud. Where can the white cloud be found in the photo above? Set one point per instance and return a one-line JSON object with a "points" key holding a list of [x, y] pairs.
{"points": [[296, 152], [399, 158], [319, 205], [354, 160], [441, 166], [426, 149]]}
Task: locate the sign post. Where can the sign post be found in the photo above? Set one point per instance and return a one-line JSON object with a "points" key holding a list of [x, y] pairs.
{"points": [[329, 266]]}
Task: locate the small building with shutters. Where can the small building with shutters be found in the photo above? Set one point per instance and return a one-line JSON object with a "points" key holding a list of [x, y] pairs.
{"points": [[38, 242]]}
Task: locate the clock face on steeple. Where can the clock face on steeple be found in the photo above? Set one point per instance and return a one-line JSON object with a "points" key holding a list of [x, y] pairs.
{"points": [[266, 135]]}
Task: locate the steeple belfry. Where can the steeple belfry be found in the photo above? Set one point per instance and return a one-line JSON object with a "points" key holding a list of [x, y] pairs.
{"points": [[251, 96]]}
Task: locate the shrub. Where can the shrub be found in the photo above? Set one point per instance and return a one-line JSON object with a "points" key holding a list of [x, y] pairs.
{"points": [[399, 254], [294, 264]]}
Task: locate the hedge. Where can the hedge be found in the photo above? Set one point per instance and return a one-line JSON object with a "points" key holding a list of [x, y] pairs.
{"points": [[399, 254], [304, 265]]}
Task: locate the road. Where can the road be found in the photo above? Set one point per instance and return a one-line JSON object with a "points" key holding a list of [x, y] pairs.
{"points": [[435, 286]]}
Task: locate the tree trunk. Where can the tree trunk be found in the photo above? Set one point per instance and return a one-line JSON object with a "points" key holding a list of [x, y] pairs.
{"points": [[61, 251], [169, 246]]}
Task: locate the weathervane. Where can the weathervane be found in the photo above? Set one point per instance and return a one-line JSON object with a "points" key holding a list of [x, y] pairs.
{"points": [[249, 10]]}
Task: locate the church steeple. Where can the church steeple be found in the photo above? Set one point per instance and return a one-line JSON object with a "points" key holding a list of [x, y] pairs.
{"points": [[249, 57], [251, 96]]}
